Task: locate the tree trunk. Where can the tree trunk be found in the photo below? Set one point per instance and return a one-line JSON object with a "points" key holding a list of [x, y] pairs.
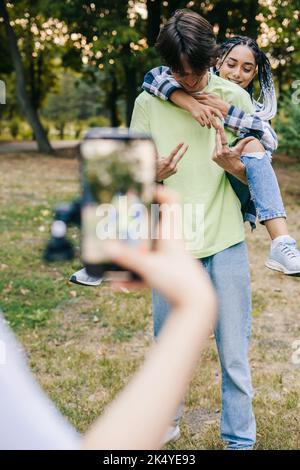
{"points": [[28, 110], [279, 74], [252, 24], [40, 71], [31, 79], [112, 101], [219, 15], [131, 87], [174, 5], [61, 129], [153, 21], [130, 82]]}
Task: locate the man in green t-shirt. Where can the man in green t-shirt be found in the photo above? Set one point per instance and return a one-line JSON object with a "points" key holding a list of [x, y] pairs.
{"points": [[214, 221]]}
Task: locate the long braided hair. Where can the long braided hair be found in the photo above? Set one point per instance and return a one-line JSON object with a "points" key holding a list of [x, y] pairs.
{"points": [[267, 107]]}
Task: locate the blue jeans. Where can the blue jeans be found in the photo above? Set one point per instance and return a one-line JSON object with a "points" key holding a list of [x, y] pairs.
{"points": [[262, 197], [229, 272], [263, 187]]}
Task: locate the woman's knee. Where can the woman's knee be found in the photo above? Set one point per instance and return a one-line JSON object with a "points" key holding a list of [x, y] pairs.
{"points": [[253, 146]]}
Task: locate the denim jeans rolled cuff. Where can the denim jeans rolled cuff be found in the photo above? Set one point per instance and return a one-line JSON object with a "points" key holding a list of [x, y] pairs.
{"points": [[262, 217], [263, 187], [251, 218]]}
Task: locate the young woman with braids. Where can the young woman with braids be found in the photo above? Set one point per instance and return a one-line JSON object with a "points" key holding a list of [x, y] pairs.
{"points": [[240, 61]]}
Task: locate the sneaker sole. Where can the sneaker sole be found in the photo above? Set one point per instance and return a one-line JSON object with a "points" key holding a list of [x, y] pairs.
{"points": [[275, 266], [82, 283]]}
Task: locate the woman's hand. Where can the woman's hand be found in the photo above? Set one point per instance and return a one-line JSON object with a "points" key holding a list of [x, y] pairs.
{"points": [[205, 114], [229, 158], [213, 101], [167, 166]]}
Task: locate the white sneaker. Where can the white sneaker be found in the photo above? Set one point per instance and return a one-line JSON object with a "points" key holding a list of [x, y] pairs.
{"points": [[82, 277], [172, 435], [284, 257]]}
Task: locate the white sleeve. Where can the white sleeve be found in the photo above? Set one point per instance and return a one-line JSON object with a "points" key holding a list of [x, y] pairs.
{"points": [[269, 138], [28, 419]]}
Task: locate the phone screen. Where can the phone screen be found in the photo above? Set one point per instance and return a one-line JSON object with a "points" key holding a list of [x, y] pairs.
{"points": [[118, 178]]}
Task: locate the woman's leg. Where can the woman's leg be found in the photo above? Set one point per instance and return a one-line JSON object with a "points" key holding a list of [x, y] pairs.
{"points": [[276, 226], [265, 193]]}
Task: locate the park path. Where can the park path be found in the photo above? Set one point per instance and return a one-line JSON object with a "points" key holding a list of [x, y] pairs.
{"points": [[29, 146]]}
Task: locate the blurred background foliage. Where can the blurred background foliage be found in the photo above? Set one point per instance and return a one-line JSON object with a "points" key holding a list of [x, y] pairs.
{"points": [[82, 63]]}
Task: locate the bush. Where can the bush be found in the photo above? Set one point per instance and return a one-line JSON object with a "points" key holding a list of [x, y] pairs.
{"points": [[98, 121], [288, 128], [25, 131], [14, 128]]}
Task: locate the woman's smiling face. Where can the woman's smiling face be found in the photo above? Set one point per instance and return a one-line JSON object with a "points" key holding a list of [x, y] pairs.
{"points": [[239, 66]]}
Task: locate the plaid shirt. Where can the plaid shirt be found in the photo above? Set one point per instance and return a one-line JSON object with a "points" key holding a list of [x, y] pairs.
{"points": [[160, 82]]}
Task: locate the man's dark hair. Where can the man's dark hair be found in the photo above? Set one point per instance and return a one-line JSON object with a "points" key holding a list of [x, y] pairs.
{"points": [[187, 34]]}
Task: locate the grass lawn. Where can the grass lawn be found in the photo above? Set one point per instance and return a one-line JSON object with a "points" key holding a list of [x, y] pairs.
{"points": [[83, 344]]}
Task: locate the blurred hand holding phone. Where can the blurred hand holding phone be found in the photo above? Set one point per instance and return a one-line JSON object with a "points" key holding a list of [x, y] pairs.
{"points": [[118, 168]]}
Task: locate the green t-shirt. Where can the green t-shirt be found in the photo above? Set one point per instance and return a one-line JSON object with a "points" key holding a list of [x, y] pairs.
{"points": [[211, 210]]}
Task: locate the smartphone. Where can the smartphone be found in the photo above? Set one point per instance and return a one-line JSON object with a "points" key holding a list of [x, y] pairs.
{"points": [[118, 168]]}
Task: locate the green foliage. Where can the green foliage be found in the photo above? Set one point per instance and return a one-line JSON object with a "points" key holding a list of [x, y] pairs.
{"points": [[61, 105], [288, 126], [281, 20], [110, 41], [14, 127], [97, 121], [77, 99]]}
